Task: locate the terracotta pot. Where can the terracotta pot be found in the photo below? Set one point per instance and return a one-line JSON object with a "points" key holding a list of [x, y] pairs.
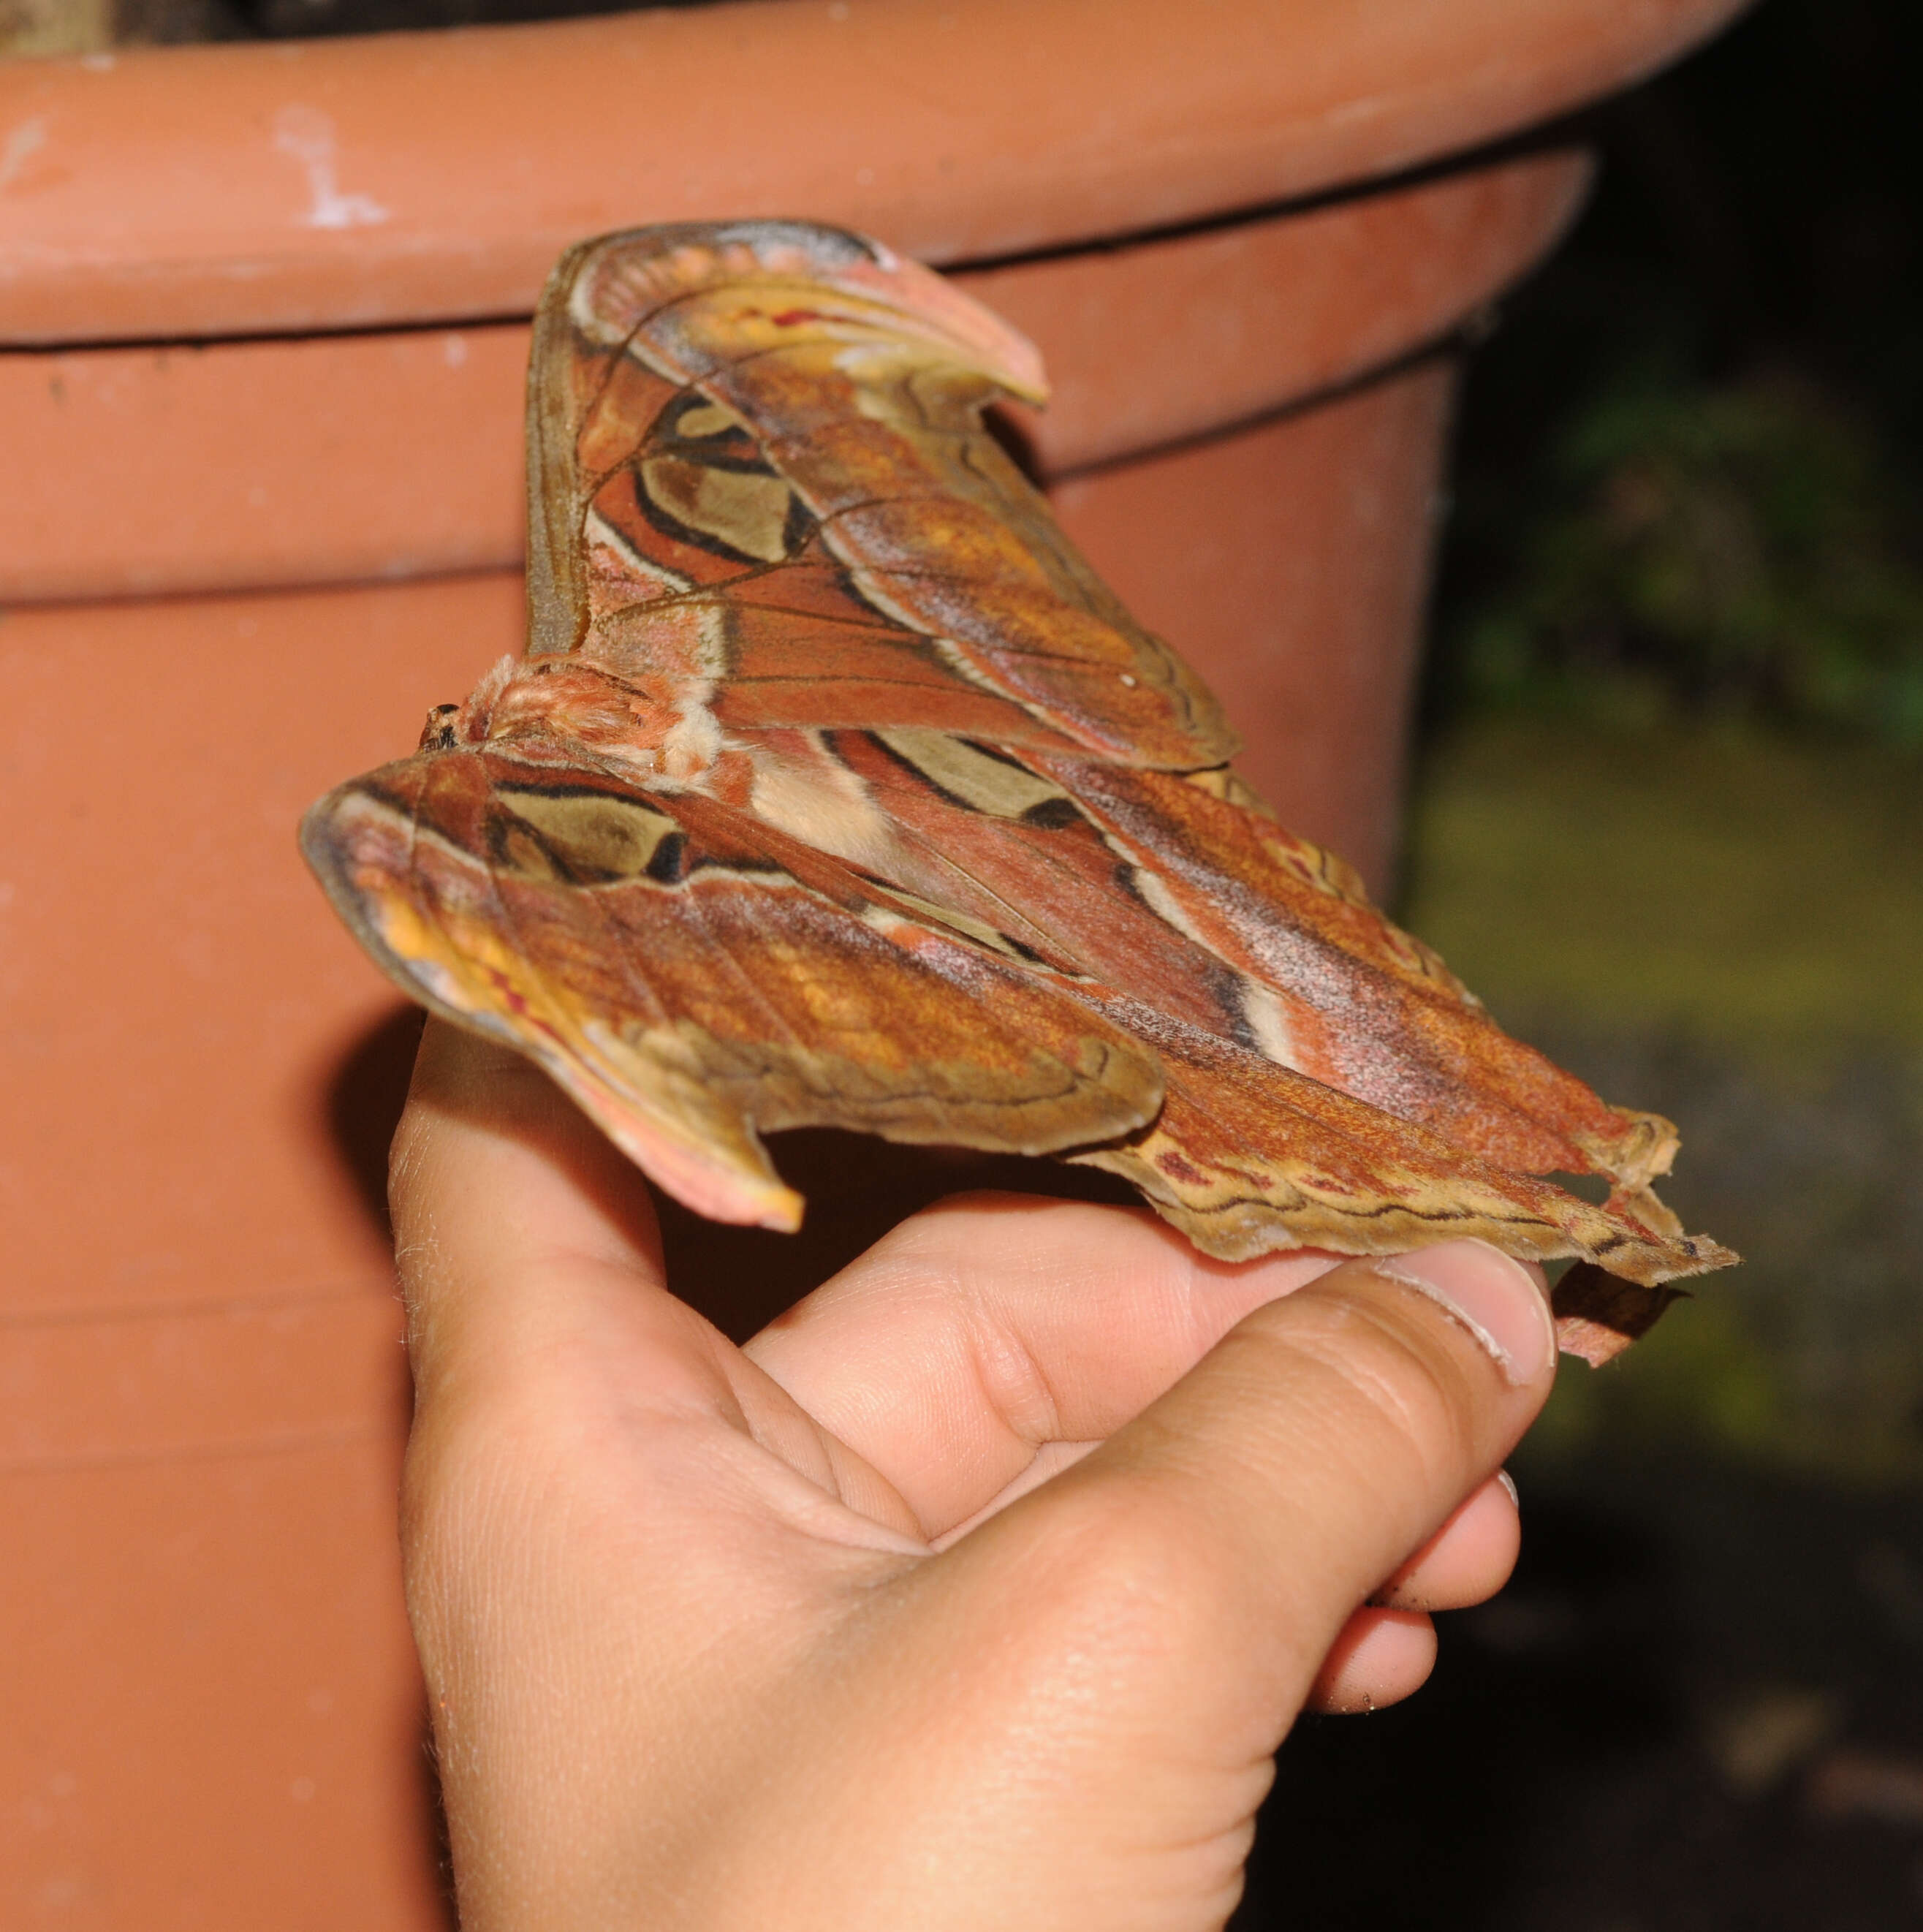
{"points": [[267, 307]]}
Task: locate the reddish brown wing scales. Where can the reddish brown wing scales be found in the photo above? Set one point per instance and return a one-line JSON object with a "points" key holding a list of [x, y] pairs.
{"points": [[1348, 999], [835, 789], [694, 978]]}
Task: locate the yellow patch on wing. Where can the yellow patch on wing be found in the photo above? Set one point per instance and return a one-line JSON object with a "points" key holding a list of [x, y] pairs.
{"points": [[996, 786], [596, 835], [747, 512]]}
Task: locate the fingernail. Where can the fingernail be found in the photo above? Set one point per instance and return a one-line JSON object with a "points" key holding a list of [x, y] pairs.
{"points": [[1508, 1482], [1497, 1299]]}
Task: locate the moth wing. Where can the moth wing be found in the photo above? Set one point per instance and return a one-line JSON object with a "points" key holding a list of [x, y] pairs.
{"points": [[814, 362], [1246, 1157], [1328, 986], [1329, 1082], [693, 979]]}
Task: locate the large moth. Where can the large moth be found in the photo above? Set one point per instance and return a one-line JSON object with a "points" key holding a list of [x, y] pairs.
{"points": [[835, 789]]}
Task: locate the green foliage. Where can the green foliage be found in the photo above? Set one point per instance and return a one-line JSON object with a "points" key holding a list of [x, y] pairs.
{"points": [[1743, 550], [1722, 925]]}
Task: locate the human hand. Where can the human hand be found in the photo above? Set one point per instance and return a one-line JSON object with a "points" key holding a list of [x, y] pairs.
{"points": [[797, 1635]]}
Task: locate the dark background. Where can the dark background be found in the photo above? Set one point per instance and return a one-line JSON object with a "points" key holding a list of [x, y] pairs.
{"points": [[1728, 353]]}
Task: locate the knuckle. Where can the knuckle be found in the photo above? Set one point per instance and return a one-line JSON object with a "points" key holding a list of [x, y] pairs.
{"points": [[1380, 1366], [1011, 1377]]}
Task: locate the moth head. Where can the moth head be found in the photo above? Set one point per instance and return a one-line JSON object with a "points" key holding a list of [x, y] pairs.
{"points": [[441, 731]]}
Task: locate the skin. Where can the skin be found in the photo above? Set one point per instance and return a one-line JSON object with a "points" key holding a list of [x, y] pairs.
{"points": [[980, 1589]]}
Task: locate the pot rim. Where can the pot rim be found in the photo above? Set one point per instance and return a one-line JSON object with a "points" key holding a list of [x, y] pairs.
{"points": [[260, 189]]}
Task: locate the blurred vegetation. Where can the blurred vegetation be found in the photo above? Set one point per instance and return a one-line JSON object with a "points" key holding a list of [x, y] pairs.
{"points": [[1723, 924], [1742, 549], [1690, 477], [1668, 811]]}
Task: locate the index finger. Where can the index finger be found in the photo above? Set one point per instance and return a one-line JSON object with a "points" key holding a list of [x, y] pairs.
{"points": [[495, 1176], [990, 1327], [541, 1330]]}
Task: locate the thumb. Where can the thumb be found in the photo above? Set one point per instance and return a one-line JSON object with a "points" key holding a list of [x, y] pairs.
{"points": [[1251, 1510]]}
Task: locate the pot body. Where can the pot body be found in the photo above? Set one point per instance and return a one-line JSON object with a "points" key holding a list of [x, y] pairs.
{"points": [[241, 565]]}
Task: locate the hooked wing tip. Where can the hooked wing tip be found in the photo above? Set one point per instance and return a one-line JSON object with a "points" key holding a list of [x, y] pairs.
{"points": [[1598, 1315], [721, 1189]]}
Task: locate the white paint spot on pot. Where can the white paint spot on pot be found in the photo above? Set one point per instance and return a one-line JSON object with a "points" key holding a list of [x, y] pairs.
{"points": [[22, 143], [307, 135]]}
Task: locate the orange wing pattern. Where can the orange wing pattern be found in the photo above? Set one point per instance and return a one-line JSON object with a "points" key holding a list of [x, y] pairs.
{"points": [[835, 790]]}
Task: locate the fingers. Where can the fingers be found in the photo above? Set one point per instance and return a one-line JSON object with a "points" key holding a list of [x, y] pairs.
{"points": [[1381, 1658], [1467, 1560], [1295, 1471], [987, 1343], [496, 1180], [530, 1261], [993, 1329], [1387, 1648]]}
